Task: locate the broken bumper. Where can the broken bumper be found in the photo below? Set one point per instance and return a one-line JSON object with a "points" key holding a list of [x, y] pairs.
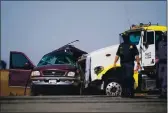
{"points": [[55, 84]]}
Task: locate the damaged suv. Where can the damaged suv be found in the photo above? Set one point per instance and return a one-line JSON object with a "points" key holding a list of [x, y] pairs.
{"points": [[57, 72]]}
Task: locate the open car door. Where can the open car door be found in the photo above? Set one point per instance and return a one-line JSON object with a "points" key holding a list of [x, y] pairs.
{"points": [[148, 53], [20, 69]]}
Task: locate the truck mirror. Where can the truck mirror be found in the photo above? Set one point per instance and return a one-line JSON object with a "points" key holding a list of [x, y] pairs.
{"points": [[142, 33], [146, 45]]}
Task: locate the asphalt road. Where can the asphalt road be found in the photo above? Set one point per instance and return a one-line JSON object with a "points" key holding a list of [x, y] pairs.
{"points": [[82, 104]]}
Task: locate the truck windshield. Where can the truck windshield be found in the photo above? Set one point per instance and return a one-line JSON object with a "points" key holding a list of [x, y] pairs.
{"points": [[132, 37], [53, 59]]}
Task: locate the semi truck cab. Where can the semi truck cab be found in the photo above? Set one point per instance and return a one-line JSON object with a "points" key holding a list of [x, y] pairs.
{"points": [[99, 71]]}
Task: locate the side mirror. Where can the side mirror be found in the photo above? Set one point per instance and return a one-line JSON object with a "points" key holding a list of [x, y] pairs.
{"points": [[145, 44], [27, 65], [142, 33]]}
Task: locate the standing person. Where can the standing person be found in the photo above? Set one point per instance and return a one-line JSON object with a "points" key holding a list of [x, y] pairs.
{"points": [[162, 70], [2, 64], [127, 53]]}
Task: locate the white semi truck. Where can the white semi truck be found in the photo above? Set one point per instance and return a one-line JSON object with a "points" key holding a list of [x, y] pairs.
{"points": [[98, 65]]}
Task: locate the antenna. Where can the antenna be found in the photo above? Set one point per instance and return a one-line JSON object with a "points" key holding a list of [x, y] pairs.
{"points": [[69, 43], [72, 42], [127, 16]]}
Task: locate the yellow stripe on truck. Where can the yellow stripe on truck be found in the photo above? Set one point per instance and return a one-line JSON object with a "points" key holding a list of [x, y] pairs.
{"points": [[99, 76], [156, 28]]}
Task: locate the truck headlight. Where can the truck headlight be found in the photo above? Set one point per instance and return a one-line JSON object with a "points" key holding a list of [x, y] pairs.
{"points": [[71, 74], [98, 69], [35, 73]]}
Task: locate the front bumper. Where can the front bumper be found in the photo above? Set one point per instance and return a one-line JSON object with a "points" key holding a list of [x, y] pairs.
{"points": [[59, 81], [62, 85]]}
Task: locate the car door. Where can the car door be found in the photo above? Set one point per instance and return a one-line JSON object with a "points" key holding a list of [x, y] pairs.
{"points": [[20, 69], [148, 53]]}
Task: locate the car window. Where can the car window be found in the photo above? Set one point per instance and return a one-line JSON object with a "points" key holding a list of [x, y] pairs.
{"points": [[18, 60], [52, 59]]}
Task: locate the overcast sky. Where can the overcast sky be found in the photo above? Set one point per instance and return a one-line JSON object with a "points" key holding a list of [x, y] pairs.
{"points": [[38, 27]]}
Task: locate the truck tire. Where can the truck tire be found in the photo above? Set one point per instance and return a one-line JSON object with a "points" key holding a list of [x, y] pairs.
{"points": [[113, 88]]}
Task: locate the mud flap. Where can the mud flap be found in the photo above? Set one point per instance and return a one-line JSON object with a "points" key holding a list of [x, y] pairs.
{"points": [[102, 86]]}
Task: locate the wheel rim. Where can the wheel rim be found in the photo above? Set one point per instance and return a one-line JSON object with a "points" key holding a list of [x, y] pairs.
{"points": [[113, 89]]}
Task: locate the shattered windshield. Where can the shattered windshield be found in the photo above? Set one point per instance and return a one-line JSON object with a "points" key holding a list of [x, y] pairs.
{"points": [[52, 59]]}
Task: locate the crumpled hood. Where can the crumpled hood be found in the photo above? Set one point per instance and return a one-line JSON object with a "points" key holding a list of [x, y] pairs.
{"points": [[58, 66]]}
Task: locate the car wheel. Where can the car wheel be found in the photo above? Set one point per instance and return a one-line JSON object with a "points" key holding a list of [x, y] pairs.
{"points": [[113, 88], [33, 91]]}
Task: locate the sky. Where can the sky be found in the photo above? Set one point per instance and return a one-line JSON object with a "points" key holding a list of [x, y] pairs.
{"points": [[39, 27]]}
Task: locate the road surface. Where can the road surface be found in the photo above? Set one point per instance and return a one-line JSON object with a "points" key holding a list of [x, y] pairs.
{"points": [[82, 104]]}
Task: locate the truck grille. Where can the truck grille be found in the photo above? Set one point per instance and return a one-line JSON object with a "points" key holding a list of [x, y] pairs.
{"points": [[53, 73]]}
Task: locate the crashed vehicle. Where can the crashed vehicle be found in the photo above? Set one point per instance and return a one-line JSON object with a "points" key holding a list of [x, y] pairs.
{"points": [[58, 72]]}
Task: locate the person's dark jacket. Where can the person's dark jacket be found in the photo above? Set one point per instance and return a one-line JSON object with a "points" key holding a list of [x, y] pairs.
{"points": [[2, 64]]}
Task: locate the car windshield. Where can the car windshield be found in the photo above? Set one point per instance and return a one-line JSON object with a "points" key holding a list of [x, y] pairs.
{"points": [[53, 59]]}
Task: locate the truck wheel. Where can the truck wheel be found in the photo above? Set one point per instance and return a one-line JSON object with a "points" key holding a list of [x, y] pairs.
{"points": [[113, 88]]}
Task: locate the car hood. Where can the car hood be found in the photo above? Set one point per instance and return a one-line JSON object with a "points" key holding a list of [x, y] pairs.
{"points": [[58, 66]]}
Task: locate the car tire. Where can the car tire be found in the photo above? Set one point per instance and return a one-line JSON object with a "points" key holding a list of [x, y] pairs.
{"points": [[113, 88], [33, 92]]}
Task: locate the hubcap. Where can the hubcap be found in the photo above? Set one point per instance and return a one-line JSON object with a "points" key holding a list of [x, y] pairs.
{"points": [[113, 89]]}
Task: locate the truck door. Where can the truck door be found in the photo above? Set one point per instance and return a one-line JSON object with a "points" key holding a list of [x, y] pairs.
{"points": [[20, 69], [148, 52]]}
